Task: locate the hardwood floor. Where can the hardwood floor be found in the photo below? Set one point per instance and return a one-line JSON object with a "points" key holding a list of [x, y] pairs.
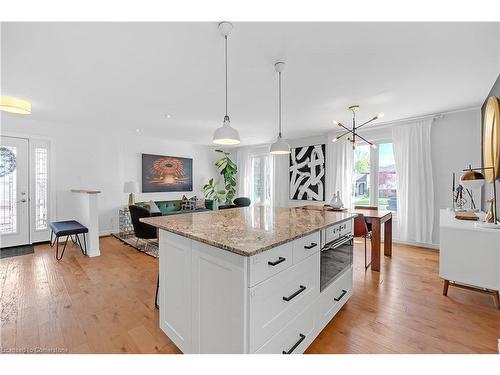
{"points": [[106, 305]]}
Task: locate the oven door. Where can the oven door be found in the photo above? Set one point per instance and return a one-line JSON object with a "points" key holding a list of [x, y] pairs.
{"points": [[336, 257]]}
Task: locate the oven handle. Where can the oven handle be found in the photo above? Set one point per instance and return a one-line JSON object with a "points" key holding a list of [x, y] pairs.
{"points": [[338, 243]]}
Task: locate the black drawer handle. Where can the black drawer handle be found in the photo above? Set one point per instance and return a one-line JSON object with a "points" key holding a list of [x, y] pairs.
{"points": [[290, 351], [276, 262], [301, 289], [344, 292], [310, 246]]}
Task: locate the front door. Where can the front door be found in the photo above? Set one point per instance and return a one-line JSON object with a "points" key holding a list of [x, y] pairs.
{"points": [[14, 193]]}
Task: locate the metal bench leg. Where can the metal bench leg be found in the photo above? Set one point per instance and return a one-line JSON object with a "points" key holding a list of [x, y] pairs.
{"points": [[58, 258], [157, 287], [84, 252], [85, 242], [51, 235]]}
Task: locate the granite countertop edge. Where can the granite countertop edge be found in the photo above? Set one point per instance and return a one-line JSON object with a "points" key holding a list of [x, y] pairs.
{"points": [[236, 250]]}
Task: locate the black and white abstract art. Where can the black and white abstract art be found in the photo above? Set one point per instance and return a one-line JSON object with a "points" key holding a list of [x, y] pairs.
{"points": [[307, 173]]}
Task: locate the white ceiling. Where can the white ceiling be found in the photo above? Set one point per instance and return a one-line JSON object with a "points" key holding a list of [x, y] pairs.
{"points": [[127, 76]]}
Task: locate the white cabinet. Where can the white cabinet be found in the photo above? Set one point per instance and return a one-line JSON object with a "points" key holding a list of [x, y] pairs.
{"points": [[175, 290], [218, 300], [215, 301], [467, 254], [278, 300]]}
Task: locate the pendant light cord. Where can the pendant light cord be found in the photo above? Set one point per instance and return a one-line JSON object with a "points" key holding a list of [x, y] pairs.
{"points": [[225, 57], [279, 104]]}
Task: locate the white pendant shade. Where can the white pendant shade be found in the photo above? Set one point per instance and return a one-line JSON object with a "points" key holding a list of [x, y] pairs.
{"points": [[280, 147], [226, 135]]}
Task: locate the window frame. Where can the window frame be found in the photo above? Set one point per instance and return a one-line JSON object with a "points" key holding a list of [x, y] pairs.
{"points": [[374, 170], [263, 166]]}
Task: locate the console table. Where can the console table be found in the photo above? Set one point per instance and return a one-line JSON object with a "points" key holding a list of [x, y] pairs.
{"points": [[469, 257]]}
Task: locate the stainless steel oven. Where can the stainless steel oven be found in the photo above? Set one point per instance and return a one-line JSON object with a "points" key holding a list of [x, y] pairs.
{"points": [[336, 257]]}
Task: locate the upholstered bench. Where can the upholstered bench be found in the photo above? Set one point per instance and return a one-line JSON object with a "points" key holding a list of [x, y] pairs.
{"points": [[68, 228]]}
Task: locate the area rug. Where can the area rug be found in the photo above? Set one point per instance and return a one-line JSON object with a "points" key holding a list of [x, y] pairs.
{"points": [[130, 239], [15, 251]]}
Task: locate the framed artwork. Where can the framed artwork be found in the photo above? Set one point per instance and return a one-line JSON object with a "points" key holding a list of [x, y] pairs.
{"points": [[166, 173], [307, 173]]}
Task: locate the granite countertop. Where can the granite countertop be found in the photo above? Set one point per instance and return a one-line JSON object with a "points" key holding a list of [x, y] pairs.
{"points": [[250, 230]]}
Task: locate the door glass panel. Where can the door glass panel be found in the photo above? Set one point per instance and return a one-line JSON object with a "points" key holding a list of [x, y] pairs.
{"points": [[40, 188], [8, 174], [361, 176], [386, 178]]}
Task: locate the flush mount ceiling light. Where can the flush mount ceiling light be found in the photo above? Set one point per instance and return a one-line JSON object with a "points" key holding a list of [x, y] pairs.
{"points": [[353, 134], [226, 135], [280, 147], [15, 105]]}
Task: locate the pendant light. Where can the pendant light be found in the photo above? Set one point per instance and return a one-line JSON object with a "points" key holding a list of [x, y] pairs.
{"points": [[226, 135], [353, 132], [280, 147]]}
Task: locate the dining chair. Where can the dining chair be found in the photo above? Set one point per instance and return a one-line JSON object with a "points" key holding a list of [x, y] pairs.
{"points": [[371, 208], [361, 230]]}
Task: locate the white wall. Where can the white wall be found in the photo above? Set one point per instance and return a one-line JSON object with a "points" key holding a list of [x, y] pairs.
{"points": [[456, 143], [103, 161]]}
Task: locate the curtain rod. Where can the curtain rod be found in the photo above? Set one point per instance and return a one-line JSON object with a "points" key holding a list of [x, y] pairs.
{"points": [[434, 116]]}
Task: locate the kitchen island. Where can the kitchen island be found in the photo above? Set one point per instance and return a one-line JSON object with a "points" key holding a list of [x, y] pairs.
{"points": [[252, 280]]}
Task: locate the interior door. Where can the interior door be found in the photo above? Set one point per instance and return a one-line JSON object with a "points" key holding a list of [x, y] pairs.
{"points": [[14, 193]]}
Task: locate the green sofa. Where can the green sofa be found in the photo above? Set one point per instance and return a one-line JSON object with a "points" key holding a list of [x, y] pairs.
{"points": [[174, 207]]}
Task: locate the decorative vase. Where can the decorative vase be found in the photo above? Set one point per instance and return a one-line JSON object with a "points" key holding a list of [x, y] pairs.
{"points": [[489, 216], [336, 202]]}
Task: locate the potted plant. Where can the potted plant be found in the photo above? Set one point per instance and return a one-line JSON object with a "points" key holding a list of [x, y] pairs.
{"points": [[228, 169], [211, 192]]}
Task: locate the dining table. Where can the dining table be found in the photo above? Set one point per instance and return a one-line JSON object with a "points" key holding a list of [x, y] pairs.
{"points": [[376, 218]]}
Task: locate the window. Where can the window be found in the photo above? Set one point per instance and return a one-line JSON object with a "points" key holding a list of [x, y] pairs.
{"points": [[261, 180], [374, 177], [40, 188], [386, 177], [361, 176], [8, 195]]}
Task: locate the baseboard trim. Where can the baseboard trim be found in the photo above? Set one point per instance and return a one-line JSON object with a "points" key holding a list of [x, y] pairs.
{"points": [[418, 244]]}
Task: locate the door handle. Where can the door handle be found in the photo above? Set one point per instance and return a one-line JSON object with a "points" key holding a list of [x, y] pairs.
{"points": [[301, 289], [276, 262], [344, 292], [310, 246], [22, 200], [290, 351]]}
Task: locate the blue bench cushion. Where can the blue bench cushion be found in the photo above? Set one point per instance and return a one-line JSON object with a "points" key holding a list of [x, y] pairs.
{"points": [[66, 228]]}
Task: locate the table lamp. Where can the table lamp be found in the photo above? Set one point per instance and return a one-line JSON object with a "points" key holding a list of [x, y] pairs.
{"points": [[130, 187], [472, 179]]}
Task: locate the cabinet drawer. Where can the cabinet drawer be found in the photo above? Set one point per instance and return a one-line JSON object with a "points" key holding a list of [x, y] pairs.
{"points": [[294, 338], [278, 300], [269, 263], [334, 297], [305, 246]]}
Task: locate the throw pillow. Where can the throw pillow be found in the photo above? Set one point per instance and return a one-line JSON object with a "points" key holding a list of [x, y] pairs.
{"points": [[200, 203], [188, 204], [153, 208]]}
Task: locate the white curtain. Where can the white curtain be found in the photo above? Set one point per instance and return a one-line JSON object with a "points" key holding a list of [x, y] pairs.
{"points": [[415, 191], [339, 170], [244, 175]]}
